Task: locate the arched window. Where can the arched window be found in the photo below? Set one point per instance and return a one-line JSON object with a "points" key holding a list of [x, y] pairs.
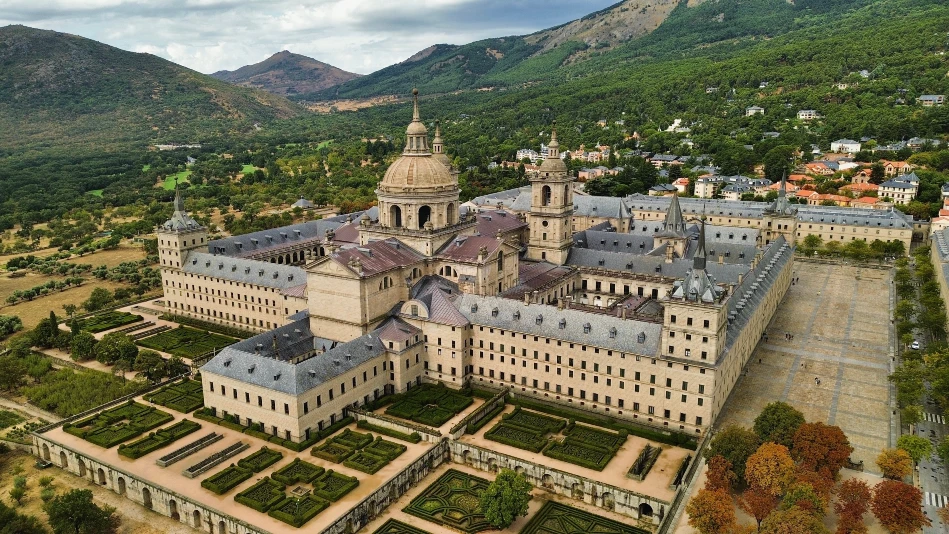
{"points": [[451, 214], [545, 196], [424, 215], [500, 261], [395, 217]]}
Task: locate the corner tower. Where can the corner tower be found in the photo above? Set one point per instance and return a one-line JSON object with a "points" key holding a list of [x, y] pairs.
{"points": [[179, 235], [551, 208], [780, 218]]}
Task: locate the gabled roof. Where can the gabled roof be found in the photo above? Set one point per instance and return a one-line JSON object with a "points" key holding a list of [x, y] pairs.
{"points": [[242, 270], [468, 248], [270, 240], [377, 257]]}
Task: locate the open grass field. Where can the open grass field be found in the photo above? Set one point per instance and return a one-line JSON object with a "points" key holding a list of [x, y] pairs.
{"points": [[169, 182], [95, 193], [32, 312], [111, 258], [247, 169]]}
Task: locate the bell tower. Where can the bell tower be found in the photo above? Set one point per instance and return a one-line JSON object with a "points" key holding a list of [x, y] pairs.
{"points": [[179, 235], [551, 208]]}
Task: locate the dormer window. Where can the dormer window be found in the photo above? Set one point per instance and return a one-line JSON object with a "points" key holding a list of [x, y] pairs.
{"points": [[612, 332], [563, 324], [276, 376], [474, 308], [587, 328], [494, 312], [517, 315], [539, 320], [641, 338]]}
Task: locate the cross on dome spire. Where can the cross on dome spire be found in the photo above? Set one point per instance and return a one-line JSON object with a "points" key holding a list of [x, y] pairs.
{"points": [[416, 135]]}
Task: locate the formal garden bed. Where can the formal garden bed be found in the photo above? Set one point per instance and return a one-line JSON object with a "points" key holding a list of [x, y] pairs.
{"points": [[644, 462], [116, 425], [296, 511], [262, 495], [524, 429], [256, 430], [159, 439], [189, 449], [185, 396], [453, 501], [586, 446], [556, 518], [394, 526], [186, 342], [260, 460], [374, 456], [227, 479], [107, 321], [297, 472], [429, 404], [217, 458], [342, 446], [332, 485]]}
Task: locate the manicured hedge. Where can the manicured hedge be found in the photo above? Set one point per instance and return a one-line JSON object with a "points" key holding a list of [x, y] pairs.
{"points": [[394, 526], [297, 471], [556, 518], [375, 456], [386, 449], [185, 396], [516, 436], [332, 486], [428, 404], [157, 440], [186, 342], [454, 501], [580, 453], [332, 451], [260, 460], [531, 420], [116, 425], [296, 511], [414, 437], [108, 320], [263, 495], [227, 479]]}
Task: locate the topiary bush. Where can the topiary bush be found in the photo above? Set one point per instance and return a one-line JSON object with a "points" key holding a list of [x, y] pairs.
{"points": [[226, 480]]}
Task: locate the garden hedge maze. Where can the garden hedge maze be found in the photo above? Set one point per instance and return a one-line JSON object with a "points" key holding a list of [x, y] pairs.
{"points": [[359, 451], [157, 440], [332, 485], [260, 460], [524, 430], [116, 425], [429, 404], [107, 321], [556, 518], [297, 472], [453, 501], [227, 479], [394, 526], [185, 396]]}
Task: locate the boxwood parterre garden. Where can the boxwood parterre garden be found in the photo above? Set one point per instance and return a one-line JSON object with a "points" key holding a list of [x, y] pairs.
{"points": [[453, 501], [269, 494], [394, 526], [185, 396], [556, 518], [359, 451], [429, 404], [186, 342], [116, 425]]}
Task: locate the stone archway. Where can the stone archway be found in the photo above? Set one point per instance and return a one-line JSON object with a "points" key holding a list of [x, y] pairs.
{"points": [[466, 457], [577, 491], [101, 476], [451, 213], [349, 526], [424, 216], [146, 498], [547, 481], [645, 510], [608, 501], [196, 518], [46, 452], [63, 461], [493, 465], [121, 482], [395, 217], [173, 510], [518, 469], [221, 527], [82, 468]]}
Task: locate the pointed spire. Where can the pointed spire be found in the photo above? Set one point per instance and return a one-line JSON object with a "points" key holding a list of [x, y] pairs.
{"points": [[415, 115], [416, 135], [179, 202], [674, 222], [553, 148], [699, 260]]}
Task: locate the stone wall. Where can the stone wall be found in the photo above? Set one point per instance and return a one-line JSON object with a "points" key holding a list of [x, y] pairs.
{"points": [[428, 434], [146, 493], [649, 511]]}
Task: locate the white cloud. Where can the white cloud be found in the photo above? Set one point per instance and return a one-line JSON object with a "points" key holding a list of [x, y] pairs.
{"points": [[356, 35]]}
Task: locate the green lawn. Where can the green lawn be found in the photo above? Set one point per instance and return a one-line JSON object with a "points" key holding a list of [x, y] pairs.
{"points": [[169, 183], [186, 342], [146, 167], [247, 169], [324, 144], [95, 193]]}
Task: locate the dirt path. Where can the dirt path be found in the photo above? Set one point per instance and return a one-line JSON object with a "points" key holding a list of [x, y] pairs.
{"points": [[28, 409]]}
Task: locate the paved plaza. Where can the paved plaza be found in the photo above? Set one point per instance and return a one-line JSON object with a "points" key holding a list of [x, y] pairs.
{"points": [[839, 317]]}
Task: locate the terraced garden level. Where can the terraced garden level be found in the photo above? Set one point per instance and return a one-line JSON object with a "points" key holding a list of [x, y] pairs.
{"points": [[556, 518], [453, 501]]}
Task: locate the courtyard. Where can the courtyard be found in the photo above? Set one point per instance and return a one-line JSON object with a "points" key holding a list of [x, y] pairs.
{"points": [[839, 320]]}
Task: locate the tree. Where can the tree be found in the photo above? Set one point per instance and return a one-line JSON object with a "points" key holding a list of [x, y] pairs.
{"points": [[712, 512], [12, 372], [805, 497], [898, 507], [895, 463], [70, 309], [150, 364], [17, 493], [917, 447], [719, 474], [758, 503], [9, 324], [115, 346], [98, 299], [792, 521], [821, 447], [13, 523], [506, 498], [778, 422], [853, 501], [74, 513], [82, 347], [44, 335], [770, 468], [735, 444]]}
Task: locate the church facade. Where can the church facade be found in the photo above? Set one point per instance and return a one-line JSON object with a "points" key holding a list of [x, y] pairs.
{"points": [[650, 320]]}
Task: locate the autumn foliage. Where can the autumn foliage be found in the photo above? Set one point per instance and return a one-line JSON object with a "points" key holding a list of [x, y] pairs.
{"points": [[897, 506], [770, 468], [853, 501], [719, 475], [821, 448], [712, 512], [895, 463], [758, 503], [792, 521]]}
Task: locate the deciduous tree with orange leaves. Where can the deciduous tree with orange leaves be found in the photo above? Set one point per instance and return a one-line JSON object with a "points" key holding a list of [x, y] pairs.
{"points": [[792, 521], [853, 501], [758, 503], [719, 474], [821, 447], [898, 507], [712, 512], [770, 468], [895, 463]]}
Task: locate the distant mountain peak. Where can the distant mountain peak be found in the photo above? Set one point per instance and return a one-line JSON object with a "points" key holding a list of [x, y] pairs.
{"points": [[287, 73]]}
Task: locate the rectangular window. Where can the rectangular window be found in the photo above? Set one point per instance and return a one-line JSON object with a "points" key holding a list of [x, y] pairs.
{"points": [[273, 405], [286, 408], [306, 407]]}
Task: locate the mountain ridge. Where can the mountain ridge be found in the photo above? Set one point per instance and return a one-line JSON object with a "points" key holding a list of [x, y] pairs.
{"points": [[286, 73]]}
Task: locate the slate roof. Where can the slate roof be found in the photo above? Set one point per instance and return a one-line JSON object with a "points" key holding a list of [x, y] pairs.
{"points": [[490, 221], [272, 240], [571, 325], [302, 203], [378, 256], [656, 265], [893, 184], [533, 276], [438, 295], [591, 206], [180, 221], [506, 197], [395, 329], [242, 270], [466, 248], [241, 361]]}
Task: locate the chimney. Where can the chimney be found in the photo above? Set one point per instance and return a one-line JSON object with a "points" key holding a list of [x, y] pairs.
{"points": [[527, 299], [669, 251], [623, 312], [721, 259], [534, 297], [559, 304]]}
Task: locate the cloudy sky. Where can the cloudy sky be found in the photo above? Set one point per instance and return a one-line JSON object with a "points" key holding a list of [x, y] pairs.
{"points": [[357, 35]]}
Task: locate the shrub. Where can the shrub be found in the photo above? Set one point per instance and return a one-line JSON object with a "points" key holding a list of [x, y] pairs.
{"points": [[580, 453], [157, 440], [332, 486], [516, 436], [260, 460], [296, 511], [227, 479], [296, 472], [262, 495]]}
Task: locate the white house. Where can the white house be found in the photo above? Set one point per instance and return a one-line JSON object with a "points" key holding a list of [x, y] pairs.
{"points": [[932, 100], [754, 110], [807, 115], [898, 192], [845, 145]]}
